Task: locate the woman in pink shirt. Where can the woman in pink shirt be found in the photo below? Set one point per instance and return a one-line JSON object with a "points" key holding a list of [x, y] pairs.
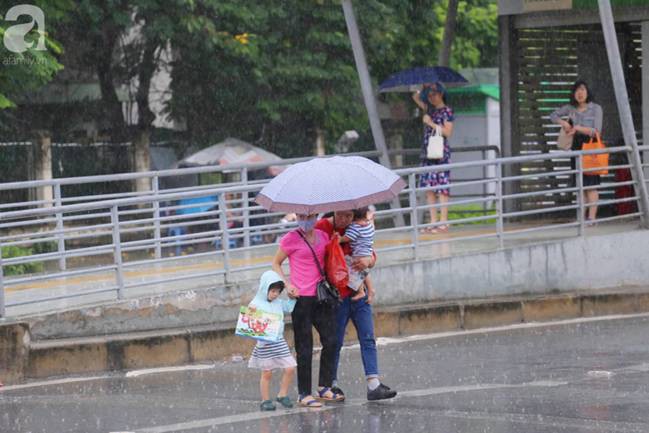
{"points": [[299, 246]]}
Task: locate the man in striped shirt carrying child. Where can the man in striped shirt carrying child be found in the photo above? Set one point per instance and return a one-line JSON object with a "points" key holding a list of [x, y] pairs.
{"points": [[360, 235]]}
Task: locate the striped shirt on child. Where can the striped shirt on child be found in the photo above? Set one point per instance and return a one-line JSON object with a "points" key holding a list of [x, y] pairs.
{"points": [[361, 238]]}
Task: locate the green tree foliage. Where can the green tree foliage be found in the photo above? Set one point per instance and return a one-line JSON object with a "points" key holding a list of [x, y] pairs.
{"points": [[294, 71], [275, 72], [291, 75], [23, 72]]}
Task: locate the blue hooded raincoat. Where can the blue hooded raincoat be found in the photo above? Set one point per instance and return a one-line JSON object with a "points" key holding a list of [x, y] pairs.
{"points": [[279, 305]]}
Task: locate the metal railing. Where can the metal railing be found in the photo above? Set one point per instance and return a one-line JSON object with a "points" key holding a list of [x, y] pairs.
{"points": [[102, 247]]}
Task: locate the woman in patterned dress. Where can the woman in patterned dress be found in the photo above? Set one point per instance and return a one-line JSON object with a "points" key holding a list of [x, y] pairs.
{"points": [[432, 100]]}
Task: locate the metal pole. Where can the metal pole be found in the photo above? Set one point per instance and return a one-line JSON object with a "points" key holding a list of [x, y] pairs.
{"points": [[368, 94], [117, 252], [622, 98], [225, 237], [246, 212], [645, 89], [2, 287], [580, 193], [60, 237], [485, 189], [412, 194], [499, 206], [155, 187]]}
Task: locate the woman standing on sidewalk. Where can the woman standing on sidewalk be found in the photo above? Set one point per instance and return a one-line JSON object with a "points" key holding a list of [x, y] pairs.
{"points": [[299, 247], [432, 100], [584, 120]]}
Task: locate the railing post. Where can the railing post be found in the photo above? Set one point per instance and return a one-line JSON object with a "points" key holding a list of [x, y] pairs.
{"points": [[117, 251], [2, 287], [499, 206], [246, 212], [579, 178], [155, 187], [225, 237], [485, 175], [623, 105], [60, 236], [412, 195]]}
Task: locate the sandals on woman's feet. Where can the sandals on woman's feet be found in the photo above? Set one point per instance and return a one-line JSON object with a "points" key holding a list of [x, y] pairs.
{"points": [[443, 229], [428, 231], [326, 394], [309, 401]]}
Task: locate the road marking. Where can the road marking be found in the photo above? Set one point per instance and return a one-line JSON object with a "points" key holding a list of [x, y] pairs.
{"points": [[478, 387], [556, 422], [53, 382], [386, 341], [255, 416], [143, 372], [230, 419]]}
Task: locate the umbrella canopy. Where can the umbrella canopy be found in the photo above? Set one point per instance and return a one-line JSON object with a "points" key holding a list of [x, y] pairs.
{"points": [[412, 79], [330, 184], [232, 151]]}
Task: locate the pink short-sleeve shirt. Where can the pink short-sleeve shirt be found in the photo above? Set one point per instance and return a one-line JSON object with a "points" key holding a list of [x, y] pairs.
{"points": [[304, 272]]}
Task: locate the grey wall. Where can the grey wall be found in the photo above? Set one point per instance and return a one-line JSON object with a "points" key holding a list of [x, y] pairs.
{"points": [[606, 261], [576, 264]]}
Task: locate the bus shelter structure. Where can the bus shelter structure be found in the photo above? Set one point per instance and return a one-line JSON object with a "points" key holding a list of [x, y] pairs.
{"points": [[545, 46]]}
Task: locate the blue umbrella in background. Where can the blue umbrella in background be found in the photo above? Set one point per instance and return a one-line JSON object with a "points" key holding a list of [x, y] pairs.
{"points": [[413, 79]]}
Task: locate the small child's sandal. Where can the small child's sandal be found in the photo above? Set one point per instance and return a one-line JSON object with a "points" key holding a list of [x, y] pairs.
{"points": [[285, 401]]}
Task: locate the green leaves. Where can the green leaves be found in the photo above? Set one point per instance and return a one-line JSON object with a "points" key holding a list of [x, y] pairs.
{"points": [[272, 72], [27, 71]]}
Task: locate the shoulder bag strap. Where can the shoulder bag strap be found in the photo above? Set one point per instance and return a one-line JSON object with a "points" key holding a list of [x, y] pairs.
{"points": [[317, 262]]}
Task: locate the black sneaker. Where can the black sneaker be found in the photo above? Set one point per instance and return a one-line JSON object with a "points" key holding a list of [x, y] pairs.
{"points": [[381, 392]]}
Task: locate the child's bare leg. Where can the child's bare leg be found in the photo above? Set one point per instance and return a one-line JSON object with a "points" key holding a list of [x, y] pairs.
{"points": [[360, 293], [264, 384], [370, 289], [287, 378]]}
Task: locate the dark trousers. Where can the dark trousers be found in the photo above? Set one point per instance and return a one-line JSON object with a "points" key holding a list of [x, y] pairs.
{"points": [[309, 313]]}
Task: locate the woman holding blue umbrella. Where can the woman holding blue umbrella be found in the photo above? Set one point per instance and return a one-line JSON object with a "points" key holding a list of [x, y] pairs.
{"points": [[432, 101]]}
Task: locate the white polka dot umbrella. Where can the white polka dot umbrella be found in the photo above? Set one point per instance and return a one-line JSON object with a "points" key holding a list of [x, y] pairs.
{"points": [[330, 184]]}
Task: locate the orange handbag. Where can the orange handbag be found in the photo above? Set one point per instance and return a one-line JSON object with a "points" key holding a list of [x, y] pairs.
{"points": [[599, 160]]}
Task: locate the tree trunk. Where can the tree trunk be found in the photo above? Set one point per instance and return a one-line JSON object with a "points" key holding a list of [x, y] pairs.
{"points": [[42, 157], [112, 107], [319, 142], [141, 143], [145, 116], [449, 33]]}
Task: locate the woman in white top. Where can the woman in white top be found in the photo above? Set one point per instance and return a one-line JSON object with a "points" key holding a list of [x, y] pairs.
{"points": [[584, 120]]}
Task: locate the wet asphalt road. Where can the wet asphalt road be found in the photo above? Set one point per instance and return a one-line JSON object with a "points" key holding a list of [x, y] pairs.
{"points": [[578, 378]]}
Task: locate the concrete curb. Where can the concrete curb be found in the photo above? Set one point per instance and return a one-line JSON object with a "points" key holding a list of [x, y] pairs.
{"points": [[22, 359]]}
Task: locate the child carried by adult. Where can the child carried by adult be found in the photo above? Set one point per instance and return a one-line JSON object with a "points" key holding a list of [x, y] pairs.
{"points": [[360, 235]]}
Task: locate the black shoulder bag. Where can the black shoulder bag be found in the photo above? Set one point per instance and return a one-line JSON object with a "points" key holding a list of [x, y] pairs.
{"points": [[326, 294]]}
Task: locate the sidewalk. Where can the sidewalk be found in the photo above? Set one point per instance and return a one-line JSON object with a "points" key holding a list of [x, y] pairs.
{"points": [[187, 266]]}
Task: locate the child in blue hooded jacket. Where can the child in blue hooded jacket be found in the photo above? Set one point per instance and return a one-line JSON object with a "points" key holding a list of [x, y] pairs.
{"points": [[268, 356]]}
